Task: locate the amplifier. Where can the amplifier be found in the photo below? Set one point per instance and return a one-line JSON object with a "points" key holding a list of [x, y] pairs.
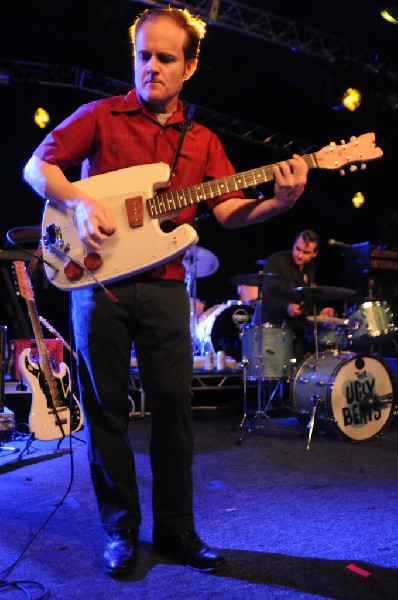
{"points": [[55, 350], [367, 258]]}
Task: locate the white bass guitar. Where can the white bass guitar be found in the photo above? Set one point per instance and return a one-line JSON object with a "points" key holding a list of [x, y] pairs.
{"points": [[55, 412]]}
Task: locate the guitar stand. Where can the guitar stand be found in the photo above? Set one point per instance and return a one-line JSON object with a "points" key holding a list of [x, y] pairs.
{"points": [[27, 446], [33, 439], [72, 437]]}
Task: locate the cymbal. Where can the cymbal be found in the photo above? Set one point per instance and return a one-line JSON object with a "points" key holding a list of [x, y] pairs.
{"points": [[327, 320], [205, 262], [258, 279], [320, 293]]}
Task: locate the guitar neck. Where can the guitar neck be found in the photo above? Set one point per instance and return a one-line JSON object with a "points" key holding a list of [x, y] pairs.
{"points": [[169, 202], [42, 349]]}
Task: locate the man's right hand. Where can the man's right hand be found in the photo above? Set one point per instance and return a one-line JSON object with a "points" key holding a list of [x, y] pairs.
{"points": [[94, 222]]}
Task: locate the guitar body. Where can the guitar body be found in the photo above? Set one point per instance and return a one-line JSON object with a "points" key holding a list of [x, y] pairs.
{"points": [[139, 244], [43, 418], [130, 250]]}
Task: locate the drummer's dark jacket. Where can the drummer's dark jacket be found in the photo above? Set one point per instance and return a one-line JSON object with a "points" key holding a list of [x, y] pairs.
{"points": [[275, 303]]}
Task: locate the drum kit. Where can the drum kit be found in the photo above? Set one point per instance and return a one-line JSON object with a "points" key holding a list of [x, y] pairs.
{"points": [[343, 387]]}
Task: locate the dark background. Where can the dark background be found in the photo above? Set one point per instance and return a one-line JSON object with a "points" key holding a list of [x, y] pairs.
{"points": [[268, 82]]}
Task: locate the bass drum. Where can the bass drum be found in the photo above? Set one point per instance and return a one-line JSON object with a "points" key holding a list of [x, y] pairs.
{"points": [[354, 392], [219, 328]]}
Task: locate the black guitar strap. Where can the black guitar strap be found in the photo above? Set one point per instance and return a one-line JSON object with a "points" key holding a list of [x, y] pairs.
{"points": [[187, 124]]}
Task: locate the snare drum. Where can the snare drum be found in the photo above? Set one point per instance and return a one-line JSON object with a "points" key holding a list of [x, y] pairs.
{"points": [[354, 392], [369, 323], [331, 332], [219, 328], [277, 351]]}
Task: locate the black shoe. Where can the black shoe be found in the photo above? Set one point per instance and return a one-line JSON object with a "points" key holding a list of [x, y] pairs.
{"points": [[120, 554], [189, 549]]}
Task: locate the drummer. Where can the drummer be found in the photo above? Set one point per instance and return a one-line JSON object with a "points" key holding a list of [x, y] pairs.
{"points": [[298, 266]]}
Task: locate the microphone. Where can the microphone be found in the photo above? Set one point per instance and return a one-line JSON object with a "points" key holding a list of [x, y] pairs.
{"points": [[340, 244]]}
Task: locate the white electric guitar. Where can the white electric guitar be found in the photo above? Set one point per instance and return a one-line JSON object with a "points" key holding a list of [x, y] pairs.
{"points": [[139, 243], [55, 412]]}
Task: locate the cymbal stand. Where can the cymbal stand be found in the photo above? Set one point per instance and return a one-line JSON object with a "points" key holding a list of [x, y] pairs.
{"points": [[315, 330], [241, 425], [192, 293], [259, 356], [314, 399], [258, 321]]}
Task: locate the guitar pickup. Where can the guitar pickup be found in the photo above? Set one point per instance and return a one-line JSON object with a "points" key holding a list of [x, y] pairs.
{"points": [[135, 211]]}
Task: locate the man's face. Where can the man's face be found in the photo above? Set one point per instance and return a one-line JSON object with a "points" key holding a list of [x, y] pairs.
{"points": [[159, 64], [303, 252]]}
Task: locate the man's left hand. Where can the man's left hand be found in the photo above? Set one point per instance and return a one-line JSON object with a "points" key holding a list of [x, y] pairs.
{"points": [[290, 179]]}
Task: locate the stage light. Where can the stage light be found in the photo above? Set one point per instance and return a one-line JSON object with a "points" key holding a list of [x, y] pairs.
{"points": [[351, 99], [390, 14], [41, 118], [358, 200]]}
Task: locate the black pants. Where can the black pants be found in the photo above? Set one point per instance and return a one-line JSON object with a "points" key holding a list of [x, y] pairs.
{"points": [[155, 314]]}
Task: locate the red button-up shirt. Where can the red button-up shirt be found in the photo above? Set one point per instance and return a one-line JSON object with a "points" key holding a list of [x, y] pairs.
{"points": [[118, 132]]}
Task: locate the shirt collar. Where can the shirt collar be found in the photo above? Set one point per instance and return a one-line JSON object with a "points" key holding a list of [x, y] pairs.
{"points": [[132, 103]]}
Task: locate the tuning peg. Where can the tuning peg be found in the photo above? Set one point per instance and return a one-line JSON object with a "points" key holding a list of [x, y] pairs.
{"points": [[342, 142], [342, 172], [363, 166], [353, 168]]}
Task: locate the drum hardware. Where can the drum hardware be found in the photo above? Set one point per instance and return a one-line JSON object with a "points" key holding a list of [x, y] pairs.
{"points": [[314, 400], [269, 386], [198, 262], [203, 261], [241, 425]]}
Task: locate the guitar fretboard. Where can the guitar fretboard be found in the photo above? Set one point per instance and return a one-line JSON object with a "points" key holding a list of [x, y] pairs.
{"points": [[171, 201]]}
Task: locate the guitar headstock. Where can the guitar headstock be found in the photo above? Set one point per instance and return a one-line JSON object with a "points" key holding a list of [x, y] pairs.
{"points": [[24, 285], [358, 150]]}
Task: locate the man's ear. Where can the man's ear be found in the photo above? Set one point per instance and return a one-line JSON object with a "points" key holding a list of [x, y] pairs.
{"points": [[190, 68]]}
